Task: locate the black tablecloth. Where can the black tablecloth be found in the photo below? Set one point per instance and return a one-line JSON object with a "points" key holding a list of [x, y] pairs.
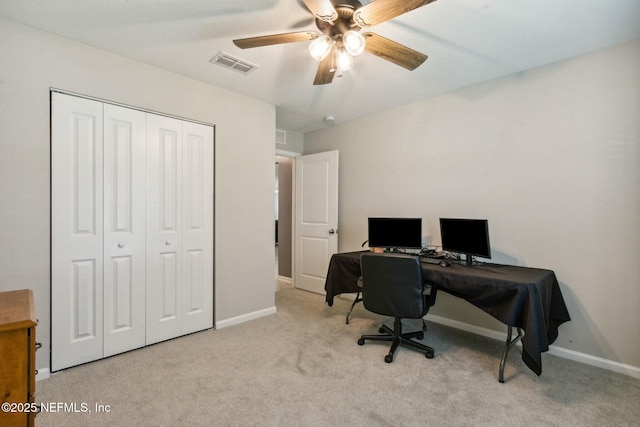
{"points": [[527, 298]]}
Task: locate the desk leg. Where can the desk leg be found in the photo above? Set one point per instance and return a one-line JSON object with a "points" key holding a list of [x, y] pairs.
{"points": [[507, 346], [355, 301]]}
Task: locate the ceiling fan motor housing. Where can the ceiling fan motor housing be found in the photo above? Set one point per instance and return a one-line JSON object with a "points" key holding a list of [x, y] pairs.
{"points": [[344, 22]]}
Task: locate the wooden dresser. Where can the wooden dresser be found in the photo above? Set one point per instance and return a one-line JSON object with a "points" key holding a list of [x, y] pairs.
{"points": [[17, 358]]}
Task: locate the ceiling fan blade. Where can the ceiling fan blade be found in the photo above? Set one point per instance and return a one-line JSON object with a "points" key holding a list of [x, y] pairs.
{"points": [[326, 71], [322, 9], [380, 11], [275, 39], [393, 52]]}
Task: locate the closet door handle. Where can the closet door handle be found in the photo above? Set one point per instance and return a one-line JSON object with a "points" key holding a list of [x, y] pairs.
{"points": [[168, 242], [121, 245]]}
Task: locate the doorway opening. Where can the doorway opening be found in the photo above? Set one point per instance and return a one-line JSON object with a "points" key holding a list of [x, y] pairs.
{"points": [[283, 217]]}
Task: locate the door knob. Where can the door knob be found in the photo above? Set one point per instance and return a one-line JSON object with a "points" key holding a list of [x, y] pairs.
{"points": [[121, 245], [168, 242], [332, 231]]}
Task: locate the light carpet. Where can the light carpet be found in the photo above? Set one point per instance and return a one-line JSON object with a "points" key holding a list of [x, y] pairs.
{"points": [[303, 367]]}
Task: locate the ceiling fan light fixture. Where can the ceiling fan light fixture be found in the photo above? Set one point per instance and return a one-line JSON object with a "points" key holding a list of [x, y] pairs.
{"points": [[353, 42], [320, 47], [344, 61]]}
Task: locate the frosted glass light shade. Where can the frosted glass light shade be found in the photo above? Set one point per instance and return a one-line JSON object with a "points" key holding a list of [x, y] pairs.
{"points": [[353, 42], [344, 61], [320, 47]]}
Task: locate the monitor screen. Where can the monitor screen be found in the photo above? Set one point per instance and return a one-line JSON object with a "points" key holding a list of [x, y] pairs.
{"points": [[395, 233], [466, 236]]}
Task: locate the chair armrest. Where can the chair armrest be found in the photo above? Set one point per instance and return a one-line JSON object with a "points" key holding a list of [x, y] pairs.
{"points": [[427, 289], [429, 294]]}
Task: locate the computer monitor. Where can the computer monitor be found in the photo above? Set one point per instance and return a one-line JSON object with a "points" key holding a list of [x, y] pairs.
{"points": [[466, 236], [398, 233]]}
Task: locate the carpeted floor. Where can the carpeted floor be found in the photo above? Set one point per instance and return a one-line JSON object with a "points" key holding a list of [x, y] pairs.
{"points": [[303, 367]]}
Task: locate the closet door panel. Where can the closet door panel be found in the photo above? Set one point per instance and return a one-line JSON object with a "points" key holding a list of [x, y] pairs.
{"points": [[124, 229], [164, 228], [76, 230], [198, 227]]}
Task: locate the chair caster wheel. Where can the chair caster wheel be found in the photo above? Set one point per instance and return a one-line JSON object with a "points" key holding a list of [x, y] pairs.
{"points": [[420, 335], [360, 341], [388, 358], [429, 355], [381, 330]]}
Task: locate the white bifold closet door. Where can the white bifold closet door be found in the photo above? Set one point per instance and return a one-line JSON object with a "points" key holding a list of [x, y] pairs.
{"points": [[132, 229], [179, 228], [98, 230]]}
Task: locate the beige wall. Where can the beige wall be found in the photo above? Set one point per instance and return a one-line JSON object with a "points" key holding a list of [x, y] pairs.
{"points": [[33, 61], [550, 156]]}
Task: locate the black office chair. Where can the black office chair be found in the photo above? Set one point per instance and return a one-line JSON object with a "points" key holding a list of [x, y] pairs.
{"points": [[393, 286]]}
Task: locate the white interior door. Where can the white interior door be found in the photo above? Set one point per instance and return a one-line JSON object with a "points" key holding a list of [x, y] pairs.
{"points": [[76, 230], [124, 229], [316, 227]]}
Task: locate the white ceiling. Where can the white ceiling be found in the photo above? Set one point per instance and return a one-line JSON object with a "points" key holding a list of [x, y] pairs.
{"points": [[467, 41]]}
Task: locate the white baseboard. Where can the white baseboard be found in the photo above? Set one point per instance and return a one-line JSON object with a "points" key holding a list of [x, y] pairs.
{"points": [[610, 365], [43, 374], [621, 368], [245, 317], [284, 279], [489, 333]]}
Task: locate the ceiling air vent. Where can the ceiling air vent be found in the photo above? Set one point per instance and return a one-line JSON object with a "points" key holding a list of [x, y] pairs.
{"points": [[281, 137], [236, 64]]}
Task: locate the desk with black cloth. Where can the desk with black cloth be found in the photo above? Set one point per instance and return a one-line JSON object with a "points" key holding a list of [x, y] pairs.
{"points": [[525, 298]]}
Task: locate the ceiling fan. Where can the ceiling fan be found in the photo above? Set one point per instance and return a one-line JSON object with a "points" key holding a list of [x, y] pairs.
{"points": [[339, 39]]}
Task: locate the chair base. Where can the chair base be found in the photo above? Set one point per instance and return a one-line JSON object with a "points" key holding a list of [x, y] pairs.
{"points": [[397, 338]]}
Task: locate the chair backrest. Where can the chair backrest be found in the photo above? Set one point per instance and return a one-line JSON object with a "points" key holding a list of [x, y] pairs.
{"points": [[393, 285]]}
